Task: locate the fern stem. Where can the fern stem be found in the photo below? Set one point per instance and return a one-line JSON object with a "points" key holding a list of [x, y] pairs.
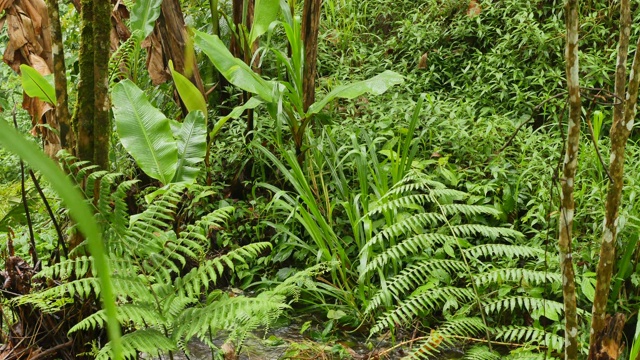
{"points": [[471, 278]]}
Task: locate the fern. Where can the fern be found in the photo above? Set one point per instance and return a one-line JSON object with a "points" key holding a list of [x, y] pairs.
{"points": [[435, 257], [529, 335], [148, 259]]}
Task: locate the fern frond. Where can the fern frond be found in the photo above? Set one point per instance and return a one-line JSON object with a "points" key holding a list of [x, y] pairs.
{"points": [[492, 232], [523, 302], [468, 210], [411, 278], [149, 341], [420, 304], [502, 250], [410, 224], [128, 314], [517, 275], [121, 60], [236, 313], [480, 352], [411, 246], [529, 335], [77, 267], [209, 271], [451, 332]]}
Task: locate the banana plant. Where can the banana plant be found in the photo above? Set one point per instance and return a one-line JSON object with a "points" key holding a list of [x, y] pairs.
{"points": [[284, 99], [166, 150]]}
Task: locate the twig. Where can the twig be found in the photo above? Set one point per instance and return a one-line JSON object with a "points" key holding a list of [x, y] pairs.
{"points": [[51, 214], [52, 350], [533, 112], [23, 194]]}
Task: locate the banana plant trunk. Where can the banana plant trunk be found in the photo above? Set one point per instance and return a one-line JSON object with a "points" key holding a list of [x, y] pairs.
{"points": [[567, 206], [602, 324], [310, 28]]}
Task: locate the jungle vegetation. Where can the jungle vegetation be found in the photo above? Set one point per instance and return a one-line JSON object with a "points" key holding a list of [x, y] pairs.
{"points": [[435, 179]]}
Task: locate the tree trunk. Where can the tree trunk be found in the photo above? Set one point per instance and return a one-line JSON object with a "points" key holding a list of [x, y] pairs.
{"points": [[86, 102], [168, 42], [101, 44], [623, 121], [67, 138], [567, 206], [310, 25]]}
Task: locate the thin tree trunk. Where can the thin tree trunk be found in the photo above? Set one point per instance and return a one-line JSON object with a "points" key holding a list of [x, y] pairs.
{"points": [[67, 138], [235, 45], [310, 25], [101, 43], [623, 122], [86, 102], [568, 182]]}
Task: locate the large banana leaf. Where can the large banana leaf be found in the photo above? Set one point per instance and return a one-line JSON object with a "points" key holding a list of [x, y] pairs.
{"points": [[266, 12], [144, 132], [144, 14], [376, 86], [189, 93], [36, 85], [191, 137], [233, 69]]}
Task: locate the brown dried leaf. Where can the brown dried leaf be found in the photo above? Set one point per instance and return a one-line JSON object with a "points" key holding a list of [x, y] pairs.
{"points": [[155, 62], [39, 64], [5, 4], [474, 8], [422, 64]]}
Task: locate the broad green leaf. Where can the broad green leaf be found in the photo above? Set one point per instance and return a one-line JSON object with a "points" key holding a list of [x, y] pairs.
{"points": [[235, 113], [144, 14], [37, 85], [80, 212], [635, 348], [191, 138], [233, 69], [376, 86], [587, 288], [189, 93], [144, 132], [266, 12]]}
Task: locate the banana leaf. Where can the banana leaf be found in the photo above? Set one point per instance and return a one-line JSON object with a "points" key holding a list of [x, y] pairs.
{"points": [[144, 14], [191, 137], [37, 85], [233, 69], [189, 93], [266, 12], [144, 132]]}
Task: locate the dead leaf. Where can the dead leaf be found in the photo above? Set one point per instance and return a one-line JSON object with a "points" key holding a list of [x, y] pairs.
{"points": [[474, 9], [39, 64], [422, 64], [5, 4]]}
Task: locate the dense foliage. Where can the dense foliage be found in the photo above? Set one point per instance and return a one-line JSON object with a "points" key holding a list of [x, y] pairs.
{"points": [[414, 204]]}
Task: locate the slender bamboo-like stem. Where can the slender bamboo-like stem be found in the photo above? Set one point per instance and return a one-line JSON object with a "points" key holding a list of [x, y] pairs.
{"points": [[215, 17], [623, 121], [25, 203], [567, 206], [67, 138]]}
